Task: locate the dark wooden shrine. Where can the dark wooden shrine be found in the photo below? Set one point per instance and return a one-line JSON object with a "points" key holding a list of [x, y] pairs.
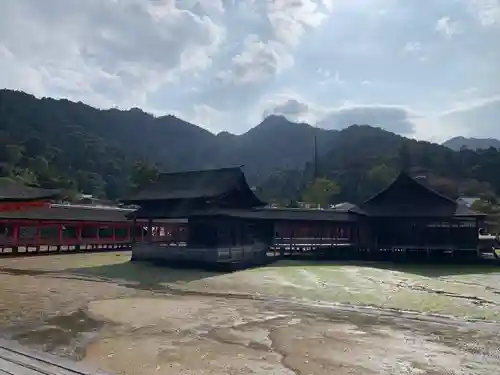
{"points": [[410, 216], [213, 216], [209, 202]]}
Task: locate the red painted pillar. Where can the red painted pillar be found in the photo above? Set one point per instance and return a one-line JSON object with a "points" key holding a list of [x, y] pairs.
{"points": [[60, 233], [113, 236], [79, 231], [15, 237], [38, 234], [15, 233]]}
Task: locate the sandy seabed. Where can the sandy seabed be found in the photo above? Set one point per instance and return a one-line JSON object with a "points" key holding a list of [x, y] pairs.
{"points": [[136, 319]]}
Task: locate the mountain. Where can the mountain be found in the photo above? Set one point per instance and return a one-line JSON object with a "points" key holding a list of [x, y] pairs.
{"points": [[457, 143], [57, 143], [275, 144], [364, 159]]}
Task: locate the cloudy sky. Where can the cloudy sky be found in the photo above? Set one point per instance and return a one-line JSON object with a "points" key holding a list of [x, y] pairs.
{"points": [[429, 69]]}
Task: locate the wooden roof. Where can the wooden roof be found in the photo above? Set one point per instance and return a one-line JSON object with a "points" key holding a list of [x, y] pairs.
{"points": [[68, 213], [76, 213], [11, 191], [406, 197], [209, 185], [261, 213]]}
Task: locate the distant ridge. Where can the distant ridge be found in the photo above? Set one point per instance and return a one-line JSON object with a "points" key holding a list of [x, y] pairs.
{"points": [[457, 143]]}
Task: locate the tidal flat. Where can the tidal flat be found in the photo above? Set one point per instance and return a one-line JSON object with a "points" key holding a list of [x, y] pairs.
{"points": [[286, 318]]}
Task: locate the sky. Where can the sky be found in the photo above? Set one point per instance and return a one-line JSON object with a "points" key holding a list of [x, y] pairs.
{"points": [[427, 69]]}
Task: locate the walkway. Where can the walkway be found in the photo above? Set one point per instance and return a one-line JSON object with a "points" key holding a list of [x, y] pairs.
{"points": [[17, 360]]}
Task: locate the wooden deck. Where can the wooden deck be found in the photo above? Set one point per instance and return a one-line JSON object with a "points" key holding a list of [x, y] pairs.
{"points": [[18, 360]]}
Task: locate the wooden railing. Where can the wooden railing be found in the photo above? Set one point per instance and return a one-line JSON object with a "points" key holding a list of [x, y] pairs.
{"points": [[32, 248]]}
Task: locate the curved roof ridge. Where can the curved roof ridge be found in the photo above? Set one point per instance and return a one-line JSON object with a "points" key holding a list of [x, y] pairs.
{"points": [[205, 184], [405, 175]]}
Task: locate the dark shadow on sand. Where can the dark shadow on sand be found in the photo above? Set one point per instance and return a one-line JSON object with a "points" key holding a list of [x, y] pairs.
{"points": [[142, 275]]}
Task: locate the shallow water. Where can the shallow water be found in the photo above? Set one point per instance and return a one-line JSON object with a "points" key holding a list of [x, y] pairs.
{"points": [[289, 318]]}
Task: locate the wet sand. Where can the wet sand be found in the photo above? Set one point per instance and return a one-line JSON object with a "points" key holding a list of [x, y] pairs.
{"points": [[310, 319]]}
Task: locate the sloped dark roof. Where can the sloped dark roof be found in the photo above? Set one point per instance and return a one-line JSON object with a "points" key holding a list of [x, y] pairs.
{"points": [[13, 191], [192, 185], [68, 213], [262, 213], [408, 197]]}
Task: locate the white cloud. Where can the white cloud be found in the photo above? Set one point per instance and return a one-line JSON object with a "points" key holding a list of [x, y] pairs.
{"points": [[290, 17], [393, 118], [447, 27], [223, 63], [211, 118], [412, 47], [257, 62], [464, 119], [486, 11], [294, 110], [476, 117], [264, 56], [121, 49]]}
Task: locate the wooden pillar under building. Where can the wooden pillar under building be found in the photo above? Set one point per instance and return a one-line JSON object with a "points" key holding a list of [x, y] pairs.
{"points": [[149, 237], [97, 237], [132, 236], [78, 235], [38, 235], [60, 233], [15, 238]]}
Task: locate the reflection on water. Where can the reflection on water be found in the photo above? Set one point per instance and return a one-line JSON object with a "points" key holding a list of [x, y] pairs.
{"points": [[288, 318]]}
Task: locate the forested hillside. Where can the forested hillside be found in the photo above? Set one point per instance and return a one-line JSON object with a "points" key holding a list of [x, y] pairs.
{"points": [[58, 143], [362, 160]]}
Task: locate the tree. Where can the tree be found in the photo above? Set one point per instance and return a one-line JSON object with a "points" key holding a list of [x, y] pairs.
{"points": [[444, 186], [381, 175], [482, 206], [143, 174], [321, 191], [404, 157], [11, 154]]}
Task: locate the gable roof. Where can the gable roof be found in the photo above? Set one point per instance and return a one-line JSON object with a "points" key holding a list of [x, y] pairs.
{"points": [[11, 191], [406, 196], [405, 186], [193, 185]]}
